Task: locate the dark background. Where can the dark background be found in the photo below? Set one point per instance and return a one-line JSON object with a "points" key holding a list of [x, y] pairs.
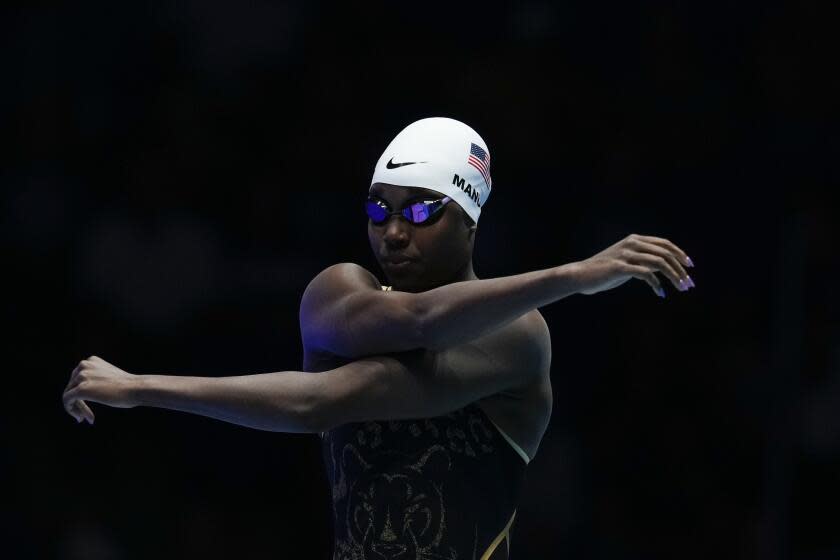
{"points": [[178, 172]]}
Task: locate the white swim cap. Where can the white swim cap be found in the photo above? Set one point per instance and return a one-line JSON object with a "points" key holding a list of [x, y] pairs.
{"points": [[441, 154]]}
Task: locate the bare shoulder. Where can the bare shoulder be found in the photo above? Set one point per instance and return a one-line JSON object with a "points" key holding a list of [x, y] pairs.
{"points": [[336, 281], [542, 331], [342, 313], [341, 276], [535, 323], [523, 411], [537, 340], [523, 344]]}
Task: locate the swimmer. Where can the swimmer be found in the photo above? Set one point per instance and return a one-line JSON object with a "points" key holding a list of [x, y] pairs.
{"points": [[431, 393]]}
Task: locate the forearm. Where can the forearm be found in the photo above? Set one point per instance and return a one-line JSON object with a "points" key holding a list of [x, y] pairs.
{"points": [[278, 402], [462, 311]]}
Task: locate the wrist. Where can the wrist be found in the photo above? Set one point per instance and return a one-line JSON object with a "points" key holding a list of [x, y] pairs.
{"points": [[567, 278], [141, 387]]}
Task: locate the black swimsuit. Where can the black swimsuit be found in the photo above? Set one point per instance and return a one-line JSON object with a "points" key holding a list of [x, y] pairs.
{"points": [[430, 488]]}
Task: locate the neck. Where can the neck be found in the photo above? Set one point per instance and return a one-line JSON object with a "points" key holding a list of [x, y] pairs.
{"points": [[465, 273]]}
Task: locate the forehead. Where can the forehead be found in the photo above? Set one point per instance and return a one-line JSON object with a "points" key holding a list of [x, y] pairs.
{"points": [[397, 192]]}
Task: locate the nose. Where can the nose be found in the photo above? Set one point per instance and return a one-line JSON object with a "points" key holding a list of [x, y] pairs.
{"points": [[397, 232]]}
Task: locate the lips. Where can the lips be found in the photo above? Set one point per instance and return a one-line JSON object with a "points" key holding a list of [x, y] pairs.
{"points": [[399, 268], [397, 259]]}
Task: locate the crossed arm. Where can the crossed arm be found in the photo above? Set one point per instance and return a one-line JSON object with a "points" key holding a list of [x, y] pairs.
{"points": [[412, 384], [345, 313], [416, 355]]}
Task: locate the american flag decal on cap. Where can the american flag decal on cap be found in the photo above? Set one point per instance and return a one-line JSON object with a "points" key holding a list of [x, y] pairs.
{"points": [[480, 159]]}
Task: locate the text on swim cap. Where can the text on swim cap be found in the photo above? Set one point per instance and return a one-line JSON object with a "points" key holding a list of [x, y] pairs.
{"points": [[468, 189]]}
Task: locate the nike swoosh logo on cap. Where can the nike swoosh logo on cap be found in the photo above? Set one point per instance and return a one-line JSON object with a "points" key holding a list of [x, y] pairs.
{"points": [[392, 165]]}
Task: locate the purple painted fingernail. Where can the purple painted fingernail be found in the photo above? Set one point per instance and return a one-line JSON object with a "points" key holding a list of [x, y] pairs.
{"points": [[690, 281], [688, 260], [661, 291], [683, 285]]}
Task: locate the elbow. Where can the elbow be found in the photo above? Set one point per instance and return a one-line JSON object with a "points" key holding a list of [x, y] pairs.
{"points": [[300, 407], [316, 425], [349, 393], [314, 417]]}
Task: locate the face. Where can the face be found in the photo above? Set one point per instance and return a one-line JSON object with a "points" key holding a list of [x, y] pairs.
{"points": [[438, 250]]}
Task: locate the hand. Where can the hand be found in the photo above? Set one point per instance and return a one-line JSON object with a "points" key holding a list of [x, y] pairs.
{"points": [[96, 380], [635, 256]]}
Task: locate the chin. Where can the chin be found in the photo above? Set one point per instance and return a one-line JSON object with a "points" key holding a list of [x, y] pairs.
{"points": [[405, 282]]}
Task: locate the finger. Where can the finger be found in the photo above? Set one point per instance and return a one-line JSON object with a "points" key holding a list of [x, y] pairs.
{"points": [[88, 413], [77, 412], [657, 264], [70, 397], [76, 373], [644, 273], [73, 376], [666, 244], [70, 408], [671, 258]]}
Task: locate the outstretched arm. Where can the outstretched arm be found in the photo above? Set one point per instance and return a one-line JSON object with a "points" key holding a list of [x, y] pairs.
{"points": [[344, 311], [415, 384], [280, 401]]}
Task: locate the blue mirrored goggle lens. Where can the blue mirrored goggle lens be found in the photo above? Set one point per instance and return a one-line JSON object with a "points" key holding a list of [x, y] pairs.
{"points": [[375, 212], [420, 212], [417, 213]]}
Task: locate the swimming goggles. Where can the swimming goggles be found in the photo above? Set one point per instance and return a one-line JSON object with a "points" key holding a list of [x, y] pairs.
{"points": [[416, 212]]}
